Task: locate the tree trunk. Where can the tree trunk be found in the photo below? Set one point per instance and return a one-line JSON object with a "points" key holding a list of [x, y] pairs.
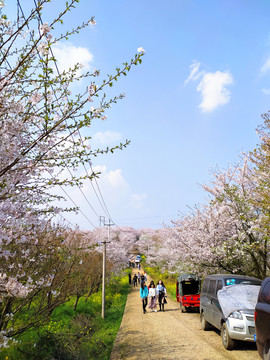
{"points": [[76, 302]]}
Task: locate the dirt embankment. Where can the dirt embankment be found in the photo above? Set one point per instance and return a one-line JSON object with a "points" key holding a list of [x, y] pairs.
{"points": [[170, 335]]}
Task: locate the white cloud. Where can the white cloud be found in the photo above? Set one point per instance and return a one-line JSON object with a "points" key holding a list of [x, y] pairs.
{"points": [[265, 67], [113, 178], [99, 168], [116, 178], [116, 192], [266, 91], [214, 91], [212, 86], [107, 137], [194, 71], [68, 55], [137, 200]]}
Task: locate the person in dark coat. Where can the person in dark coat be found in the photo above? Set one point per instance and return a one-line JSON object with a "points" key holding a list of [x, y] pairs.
{"points": [[135, 280], [129, 278], [162, 294]]}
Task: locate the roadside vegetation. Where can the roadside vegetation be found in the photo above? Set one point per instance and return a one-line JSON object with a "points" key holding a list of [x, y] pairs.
{"points": [[156, 273], [48, 267], [79, 334]]}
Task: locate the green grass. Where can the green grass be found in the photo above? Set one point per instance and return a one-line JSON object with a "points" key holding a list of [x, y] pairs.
{"points": [[76, 335], [168, 279]]}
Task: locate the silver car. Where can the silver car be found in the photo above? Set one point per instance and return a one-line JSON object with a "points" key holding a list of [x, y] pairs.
{"points": [[229, 308]]}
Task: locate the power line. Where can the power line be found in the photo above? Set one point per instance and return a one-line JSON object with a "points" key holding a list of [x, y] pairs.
{"points": [[102, 202], [20, 8], [99, 194], [75, 227]]}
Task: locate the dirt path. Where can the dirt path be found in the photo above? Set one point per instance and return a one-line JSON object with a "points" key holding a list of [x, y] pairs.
{"points": [[170, 335]]}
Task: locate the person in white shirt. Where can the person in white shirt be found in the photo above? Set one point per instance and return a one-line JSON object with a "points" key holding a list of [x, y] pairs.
{"points": [[161, 293], [152, 297], [139, 277], [145, 276]]}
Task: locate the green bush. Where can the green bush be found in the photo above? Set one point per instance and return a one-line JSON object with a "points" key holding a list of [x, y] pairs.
{"points": [[76, 335], [168, 279]]}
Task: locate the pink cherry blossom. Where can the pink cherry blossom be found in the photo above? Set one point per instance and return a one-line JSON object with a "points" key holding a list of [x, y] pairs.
{"points": [[44, 28]]}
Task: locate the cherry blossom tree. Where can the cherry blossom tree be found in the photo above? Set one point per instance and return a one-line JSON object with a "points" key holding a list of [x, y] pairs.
{"points": [[42, 134], [230, 231], [259, 157], [225, 234], [122, 240], [155, 245]]}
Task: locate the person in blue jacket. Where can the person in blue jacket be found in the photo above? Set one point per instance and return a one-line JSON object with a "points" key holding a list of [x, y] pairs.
{"points": [[144, 295]]}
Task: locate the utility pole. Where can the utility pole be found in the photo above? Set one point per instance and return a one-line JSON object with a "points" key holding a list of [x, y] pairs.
{"points": [[109, 224], [101, 220]]}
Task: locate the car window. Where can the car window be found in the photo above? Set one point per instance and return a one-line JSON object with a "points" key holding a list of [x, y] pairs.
{"points": [[205, 285], [219, 285], [212, 287], [265, 294], [243, 281]]}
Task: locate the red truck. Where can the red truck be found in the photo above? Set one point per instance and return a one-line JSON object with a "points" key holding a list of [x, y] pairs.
{"points": [[188, 288]]}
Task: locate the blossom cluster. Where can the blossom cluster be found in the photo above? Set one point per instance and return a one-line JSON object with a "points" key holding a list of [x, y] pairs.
{"points": [[229, 233], [40, 123]]}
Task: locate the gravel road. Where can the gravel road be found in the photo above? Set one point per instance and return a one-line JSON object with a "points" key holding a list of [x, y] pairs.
{"points": [[170, 335]]}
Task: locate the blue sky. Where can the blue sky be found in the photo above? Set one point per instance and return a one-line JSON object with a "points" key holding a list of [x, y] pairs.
{"points": [[180, 123]]}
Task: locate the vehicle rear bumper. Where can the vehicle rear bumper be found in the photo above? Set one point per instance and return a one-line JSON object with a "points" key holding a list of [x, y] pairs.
{"points": [[190, 301], [187, 304]]}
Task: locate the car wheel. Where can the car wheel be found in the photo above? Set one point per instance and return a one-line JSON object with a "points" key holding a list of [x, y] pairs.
{"points": [[227, 341], [205, 324]]}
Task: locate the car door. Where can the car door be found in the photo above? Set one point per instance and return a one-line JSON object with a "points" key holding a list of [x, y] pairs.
{"points": [[216, 309], [263, 317], [210, 298], [204, 297]]}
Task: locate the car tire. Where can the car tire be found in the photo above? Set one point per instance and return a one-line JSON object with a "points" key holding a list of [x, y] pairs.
{"points": [[227, 341], [204, 323]]}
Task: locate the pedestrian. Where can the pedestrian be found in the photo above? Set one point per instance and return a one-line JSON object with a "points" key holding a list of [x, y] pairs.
{"points": [[129, 278], [145, 276], [152, 297], [151, 282], [139, 277], [162, 294], [142, 278], [143, 295], [135, 280], [139, 266]]}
